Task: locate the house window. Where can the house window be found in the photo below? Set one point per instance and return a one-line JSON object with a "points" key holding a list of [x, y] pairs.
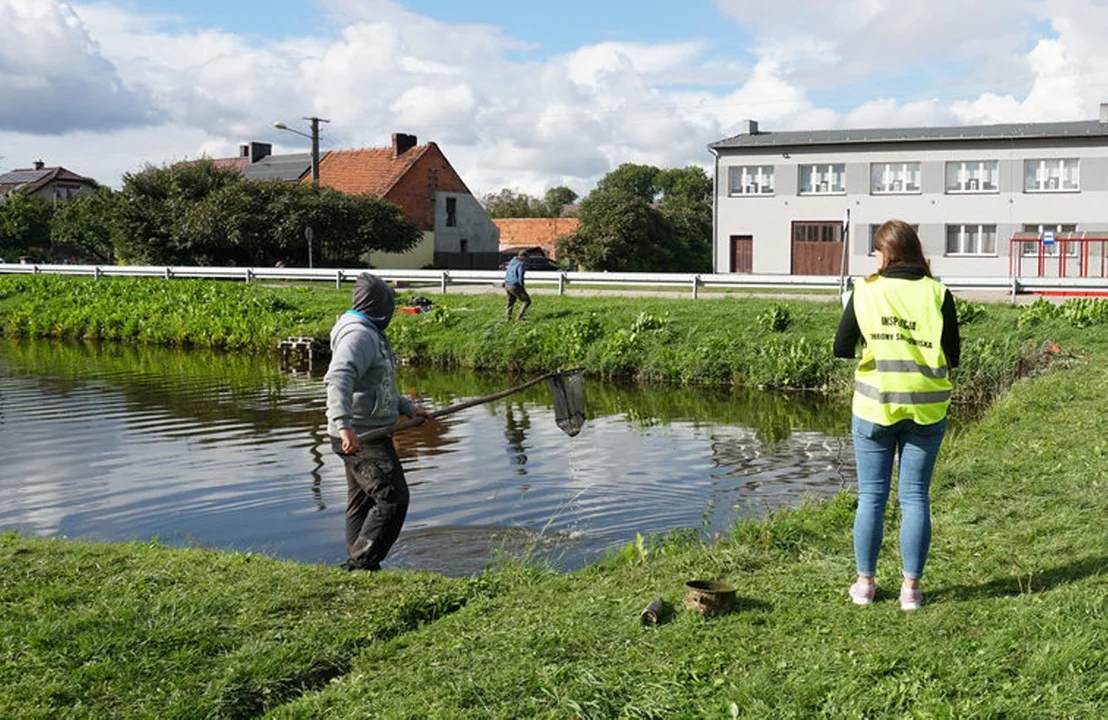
{"points": [[1032, 249], [451, 212], [894, 178], [66, 192], [972, 176], [1051, 176], [873, 234], [971, 239], [752, 180], [464, 244], [822, 179]]}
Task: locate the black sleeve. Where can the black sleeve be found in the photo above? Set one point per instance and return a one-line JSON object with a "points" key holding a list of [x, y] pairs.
{"points": [[846, 337], [951, 340]]}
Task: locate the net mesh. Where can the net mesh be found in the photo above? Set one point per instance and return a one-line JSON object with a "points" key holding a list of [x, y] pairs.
{"points": [[568, 391]]}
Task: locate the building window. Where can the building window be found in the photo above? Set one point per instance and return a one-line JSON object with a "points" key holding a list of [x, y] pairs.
{"points": [[1051, 176], [873, 234], [752, 180], [1031, 249], [971, 239], [66, 192], [464, 245], [894, 178], [822, 180], [972, 176], [451, 212]]}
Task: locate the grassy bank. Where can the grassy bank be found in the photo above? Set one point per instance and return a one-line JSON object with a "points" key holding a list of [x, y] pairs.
{"points": [[1015, 622], [739, 340]]}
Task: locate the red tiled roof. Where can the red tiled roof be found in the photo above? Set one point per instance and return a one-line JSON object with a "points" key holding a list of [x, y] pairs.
{"points": [[371, 171], [534, 232]]}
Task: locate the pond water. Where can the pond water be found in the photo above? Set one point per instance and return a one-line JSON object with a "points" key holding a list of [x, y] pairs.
{"points": [[224, 451]]}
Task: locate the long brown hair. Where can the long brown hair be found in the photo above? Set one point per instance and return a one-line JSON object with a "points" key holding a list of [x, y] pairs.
{"points": [[899, 245]]}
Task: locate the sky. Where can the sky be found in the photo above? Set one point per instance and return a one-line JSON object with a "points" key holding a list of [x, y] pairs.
{"points": [[519, 95]]}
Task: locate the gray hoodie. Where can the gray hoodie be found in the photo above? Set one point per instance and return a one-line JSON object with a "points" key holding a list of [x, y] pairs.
{"points": [[361, 380]]}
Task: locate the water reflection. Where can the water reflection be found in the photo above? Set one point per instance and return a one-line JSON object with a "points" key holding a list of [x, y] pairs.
{"points": [[204, 449]]}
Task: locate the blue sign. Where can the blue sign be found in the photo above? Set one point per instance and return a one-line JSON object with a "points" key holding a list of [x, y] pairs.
{"points": [[1048, 237]]}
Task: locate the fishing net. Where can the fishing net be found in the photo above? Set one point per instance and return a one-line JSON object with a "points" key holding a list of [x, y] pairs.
{"points": [[568, 391]]}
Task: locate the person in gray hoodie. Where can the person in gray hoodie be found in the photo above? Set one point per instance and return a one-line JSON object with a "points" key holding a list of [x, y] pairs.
{"points": [[362, 396]]}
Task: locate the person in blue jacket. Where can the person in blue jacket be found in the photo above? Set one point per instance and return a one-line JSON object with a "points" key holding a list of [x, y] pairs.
{"points": [[513, 285]]}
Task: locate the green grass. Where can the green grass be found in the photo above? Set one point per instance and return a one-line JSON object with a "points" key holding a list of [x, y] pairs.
{"points": [[95, 631], [743, 340]]}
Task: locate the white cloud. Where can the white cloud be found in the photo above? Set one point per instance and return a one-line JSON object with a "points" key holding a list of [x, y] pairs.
{"points": [[53, 77], [506, 119]]}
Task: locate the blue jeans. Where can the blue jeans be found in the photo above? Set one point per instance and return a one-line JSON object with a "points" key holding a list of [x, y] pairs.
{"points": [[875, 448]]}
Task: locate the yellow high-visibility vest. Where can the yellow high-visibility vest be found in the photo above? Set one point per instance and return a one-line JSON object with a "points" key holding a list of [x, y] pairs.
{"points": [[903, 374]]}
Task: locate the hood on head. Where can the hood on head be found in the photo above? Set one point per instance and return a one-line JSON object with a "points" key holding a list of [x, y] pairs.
{"points": [[373, 298]]}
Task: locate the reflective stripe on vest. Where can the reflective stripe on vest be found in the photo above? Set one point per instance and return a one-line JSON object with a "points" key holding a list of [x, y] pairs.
{"points": [[903, 373]]}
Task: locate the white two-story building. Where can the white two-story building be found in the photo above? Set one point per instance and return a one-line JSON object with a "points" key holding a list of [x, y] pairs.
{"points": [[991, 200]]}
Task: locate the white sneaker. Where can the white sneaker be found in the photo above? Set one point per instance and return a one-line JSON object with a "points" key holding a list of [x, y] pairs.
{"points": [[910, 598], [862, 593]]}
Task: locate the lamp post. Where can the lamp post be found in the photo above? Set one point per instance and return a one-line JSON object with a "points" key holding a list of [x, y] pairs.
{"points": [[314, 137]]}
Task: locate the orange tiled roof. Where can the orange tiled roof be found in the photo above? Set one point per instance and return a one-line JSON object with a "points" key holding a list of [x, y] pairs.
{"points": [[372, 171], [535, 232]]}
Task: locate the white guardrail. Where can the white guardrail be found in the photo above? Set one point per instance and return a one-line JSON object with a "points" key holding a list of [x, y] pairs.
{"points": [[563, 280]]}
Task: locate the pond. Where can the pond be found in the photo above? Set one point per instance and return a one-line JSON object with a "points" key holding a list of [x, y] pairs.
{"points": [[210, 450]]}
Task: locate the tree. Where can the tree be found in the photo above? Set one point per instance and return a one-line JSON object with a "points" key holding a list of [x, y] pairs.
{"points": [[199, 214], [153, 204], [556, 198], [509, 204], [87, 224], [619, 231], [24, 226], [668, 229], [638, 180]]}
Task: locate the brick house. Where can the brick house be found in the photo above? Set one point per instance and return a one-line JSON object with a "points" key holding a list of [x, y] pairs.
{"points": [[530, 233], [457, 233], [49, 183]]}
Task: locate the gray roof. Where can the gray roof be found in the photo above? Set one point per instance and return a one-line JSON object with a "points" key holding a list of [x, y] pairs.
{"points": [[21, 177], [1023, 131], [279, 167]]}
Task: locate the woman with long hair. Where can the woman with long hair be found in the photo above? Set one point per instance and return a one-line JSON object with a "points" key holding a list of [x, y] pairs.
{"points": [[906, 324]]}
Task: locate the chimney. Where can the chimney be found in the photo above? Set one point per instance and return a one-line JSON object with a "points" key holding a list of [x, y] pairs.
{"points": [[1104, 113], [750, 127], [402, 143], [39, 164], [259, 150]]}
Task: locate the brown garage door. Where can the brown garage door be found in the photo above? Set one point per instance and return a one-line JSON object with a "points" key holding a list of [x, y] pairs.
{"points": [[817, 248], [742, 253]]}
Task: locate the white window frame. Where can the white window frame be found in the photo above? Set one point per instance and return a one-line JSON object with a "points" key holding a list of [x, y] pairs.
{"points": [[821, 179], [1049, 175], [970, 234], [895, 178], [754, 180], [970, 177], [1030, 250]]}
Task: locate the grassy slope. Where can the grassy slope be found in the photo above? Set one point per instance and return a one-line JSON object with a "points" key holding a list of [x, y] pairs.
{"points": [[1014, 625], [94, 631]]}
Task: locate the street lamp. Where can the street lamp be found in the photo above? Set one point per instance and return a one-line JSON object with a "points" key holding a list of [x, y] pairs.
{"points": [[314, 137]]}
